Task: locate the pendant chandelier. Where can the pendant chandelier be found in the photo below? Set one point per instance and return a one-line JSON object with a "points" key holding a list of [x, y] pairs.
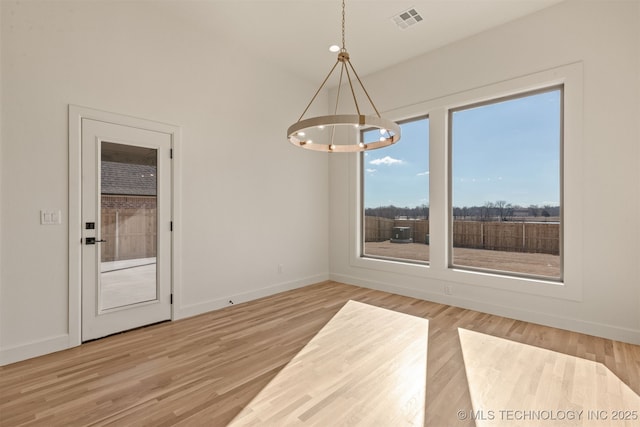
{"points": [[319, 133]]}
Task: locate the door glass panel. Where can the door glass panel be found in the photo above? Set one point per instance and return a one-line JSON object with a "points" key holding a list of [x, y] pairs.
{"points": [[128, 218]]}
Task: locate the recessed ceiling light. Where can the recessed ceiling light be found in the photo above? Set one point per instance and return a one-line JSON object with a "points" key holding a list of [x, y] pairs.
{"points": [[334, 48]]}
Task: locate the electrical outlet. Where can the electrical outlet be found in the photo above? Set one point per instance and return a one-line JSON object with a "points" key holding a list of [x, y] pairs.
{"points": [[448, 289]]}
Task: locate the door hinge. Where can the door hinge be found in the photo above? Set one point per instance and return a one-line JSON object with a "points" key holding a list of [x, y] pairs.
{"points": [[171, 153], [171, 299], [171, 226]]}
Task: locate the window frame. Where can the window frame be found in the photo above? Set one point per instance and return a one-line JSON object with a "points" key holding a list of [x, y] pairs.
{"points": [[362, 168], [437, 276], [492, 101]]}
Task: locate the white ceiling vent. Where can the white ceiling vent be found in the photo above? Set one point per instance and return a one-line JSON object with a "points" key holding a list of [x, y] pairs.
{"points": [[407, 18]]}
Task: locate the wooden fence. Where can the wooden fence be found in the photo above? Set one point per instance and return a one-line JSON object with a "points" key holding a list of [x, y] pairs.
{"points": [[377, 229], [500, 236], [129, 227]]}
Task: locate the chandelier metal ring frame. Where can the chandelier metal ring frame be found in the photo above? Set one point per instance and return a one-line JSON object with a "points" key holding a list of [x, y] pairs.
{"points": [[389, 130], [389, 127]]}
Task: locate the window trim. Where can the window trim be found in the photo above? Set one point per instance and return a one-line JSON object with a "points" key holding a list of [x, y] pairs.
{"points": [[449, 142], [438, 271]]}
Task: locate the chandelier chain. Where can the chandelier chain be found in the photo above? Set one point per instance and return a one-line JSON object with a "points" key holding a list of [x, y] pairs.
{"points": [[343, 27]]}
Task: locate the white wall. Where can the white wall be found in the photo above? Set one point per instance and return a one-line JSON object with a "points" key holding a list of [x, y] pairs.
{"points": [[638, 161], [247, 204], [1, 173], [604, 37]]}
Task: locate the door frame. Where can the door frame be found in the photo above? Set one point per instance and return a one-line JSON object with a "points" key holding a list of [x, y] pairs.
{"points": [[76, 114]]}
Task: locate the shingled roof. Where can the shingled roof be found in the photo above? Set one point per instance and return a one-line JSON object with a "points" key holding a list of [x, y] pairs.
{"points": [[128, 179]]}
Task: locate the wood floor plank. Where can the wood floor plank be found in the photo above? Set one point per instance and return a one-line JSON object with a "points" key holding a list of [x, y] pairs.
{"points": [[366, 366], [515, 384], [204, 370]]}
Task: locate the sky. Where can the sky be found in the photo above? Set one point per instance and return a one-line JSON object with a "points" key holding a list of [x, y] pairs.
{"points": [[502, 151]]}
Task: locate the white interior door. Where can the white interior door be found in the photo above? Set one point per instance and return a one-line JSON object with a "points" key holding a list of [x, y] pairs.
{"points": [[126, 228]]}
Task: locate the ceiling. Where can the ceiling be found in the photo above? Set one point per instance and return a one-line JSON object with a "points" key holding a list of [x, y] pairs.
{"points": [[296, 34]]}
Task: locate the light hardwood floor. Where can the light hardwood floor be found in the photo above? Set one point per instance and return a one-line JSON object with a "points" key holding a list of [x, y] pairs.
{"points": [[515, 384], [367, 366], [206, 369]]}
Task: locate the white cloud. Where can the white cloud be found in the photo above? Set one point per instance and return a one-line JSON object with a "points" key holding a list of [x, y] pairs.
{"points": [[387, 160], [422, 173], [371, 170]]}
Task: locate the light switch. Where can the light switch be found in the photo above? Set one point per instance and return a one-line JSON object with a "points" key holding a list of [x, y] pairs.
{"points": [[50, 217]]}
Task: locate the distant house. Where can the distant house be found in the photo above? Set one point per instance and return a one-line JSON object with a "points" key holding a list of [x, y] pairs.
{"points": [[128, 210], [128, 179]]}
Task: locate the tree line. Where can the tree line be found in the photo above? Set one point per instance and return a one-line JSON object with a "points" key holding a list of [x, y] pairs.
{"points": [[499, 210], [393, 212]]}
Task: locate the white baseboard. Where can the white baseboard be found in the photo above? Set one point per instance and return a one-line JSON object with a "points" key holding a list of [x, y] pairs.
{"points": [[61, 342], [583, 326], [216, 304], [33, 349]]}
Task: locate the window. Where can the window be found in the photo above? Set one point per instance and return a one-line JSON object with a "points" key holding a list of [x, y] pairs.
{"points": [[506, 188], [519, 230], [395, 192]]}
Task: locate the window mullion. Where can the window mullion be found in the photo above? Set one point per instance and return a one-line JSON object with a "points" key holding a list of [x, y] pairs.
{"points": [[438, 190]]}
